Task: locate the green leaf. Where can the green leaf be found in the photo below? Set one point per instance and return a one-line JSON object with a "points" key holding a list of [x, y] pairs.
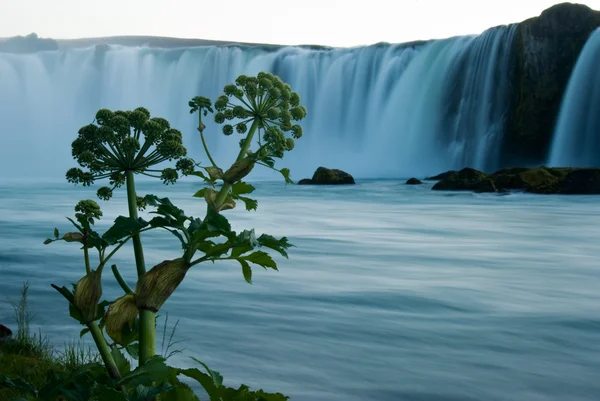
{"points": [[48, 241], [83, 332], [201, 193], [205, 381], [181, 392], [167, 209], [215, 376], [77, 226], [154, 369], [133, 350], [201, 175], [145, 393], [246, 270], [285, 172], [279, 245], [123, 227], [122, 363], [19, 384], [216, 222], [241, 188], [261, 258], [56, 233], [104, 393], [75, 314], [251, 204]]}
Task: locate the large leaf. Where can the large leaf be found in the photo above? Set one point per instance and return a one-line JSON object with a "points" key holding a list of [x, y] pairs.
{"points": [[153, 370], [167, 209], [250, 204], [181, 392], [145, 393], [133, 350], [242, 188], [123, 227], [105, 393], [246, 270], [285, 172], [205, 381], [279, 245], [260, 258], [122, 363], [19, 384]]}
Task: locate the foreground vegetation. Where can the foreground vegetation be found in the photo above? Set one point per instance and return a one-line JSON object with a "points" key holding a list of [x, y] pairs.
{"points": [[118, 146]]}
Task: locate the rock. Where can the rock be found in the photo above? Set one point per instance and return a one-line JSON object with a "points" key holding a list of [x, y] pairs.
{"points": [[547, 48], [27, 44], [413, 181], [305, 181], [441, 176], [579, 182], [485, 185], [467, 179], [325, 176], [5, 333], [530, 180]]}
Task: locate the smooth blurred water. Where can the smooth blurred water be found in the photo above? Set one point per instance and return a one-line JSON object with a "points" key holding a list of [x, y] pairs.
{"points": [[393, 292]]}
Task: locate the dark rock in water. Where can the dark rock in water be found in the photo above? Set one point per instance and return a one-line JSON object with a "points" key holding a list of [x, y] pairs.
{"points": [[467, 179], [576, 182], [413, 181], [325, 176], [547, 48], [485, 185], [305, 181], [5, 333], [441, 176]]}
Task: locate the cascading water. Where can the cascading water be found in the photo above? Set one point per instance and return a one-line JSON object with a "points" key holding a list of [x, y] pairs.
{"points": [[577, 136], [379, 111]]}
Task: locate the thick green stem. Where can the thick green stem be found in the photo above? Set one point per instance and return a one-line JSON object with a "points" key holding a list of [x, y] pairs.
{"points": [[147, 318], [86, 256], [201, 129], [222, 195], [104, 350]]}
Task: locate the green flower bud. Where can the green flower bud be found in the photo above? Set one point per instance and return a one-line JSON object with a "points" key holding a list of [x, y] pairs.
{"points": [[169, 176], [241, 80], [121, 313], [156, 285], [285, 95], [229, 90], [73, 237], [265, 83], [73, 175], [241, 128], [286, 115], [221, 103], [239, 93], [294, 99], [298, 113], [273, 113], [228, 129], [88, 292], [219, 118], [171, 149], [289, 143], [103, 116], [275, 92], [117, 179], [186, 166], [106, 133], [89, 132], [284, 106], [297, 131], [240, 112], [120, 125], [88, 209], [130, 145], [265, 75], [228, 114], [286, 125], [104, 193], [164, 124], [86, 179], [86, 157], [250, 89], [138, 118], [242, 142]]}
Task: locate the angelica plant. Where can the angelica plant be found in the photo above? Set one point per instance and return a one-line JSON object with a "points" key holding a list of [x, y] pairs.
{"points": [[266, 113]]}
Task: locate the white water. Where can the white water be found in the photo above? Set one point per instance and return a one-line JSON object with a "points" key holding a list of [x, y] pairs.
{"points": [[577, 137], [378, 111]]}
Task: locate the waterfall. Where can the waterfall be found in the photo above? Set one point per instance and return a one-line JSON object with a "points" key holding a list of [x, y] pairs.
{"points": [[379, 111], [576, 140]]}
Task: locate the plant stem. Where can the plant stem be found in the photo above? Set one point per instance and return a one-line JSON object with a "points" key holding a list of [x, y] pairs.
{"points": [[102, 346], [201, 129], [121, 280], [86, 256], [226, 187], [147, 318]]}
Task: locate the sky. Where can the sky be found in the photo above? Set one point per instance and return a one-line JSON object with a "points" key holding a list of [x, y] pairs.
{"points": [[325, 22]]}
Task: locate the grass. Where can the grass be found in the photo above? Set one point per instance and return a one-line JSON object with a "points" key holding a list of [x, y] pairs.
{"points": [[30, 356]]}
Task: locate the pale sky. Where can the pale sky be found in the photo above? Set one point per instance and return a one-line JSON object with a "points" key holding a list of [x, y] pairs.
{"points": [[326, 22]]}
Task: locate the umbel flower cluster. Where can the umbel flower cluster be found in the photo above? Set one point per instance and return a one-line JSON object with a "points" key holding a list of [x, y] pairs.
{"points": [[263, 103], [124, 141]]}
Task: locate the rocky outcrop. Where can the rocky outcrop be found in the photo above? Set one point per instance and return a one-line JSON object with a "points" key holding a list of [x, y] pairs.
{"points": [[541, 180], [5, 333], [547, 49], [325, 176], [413, 181], [441, 176], [27, 44]]}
